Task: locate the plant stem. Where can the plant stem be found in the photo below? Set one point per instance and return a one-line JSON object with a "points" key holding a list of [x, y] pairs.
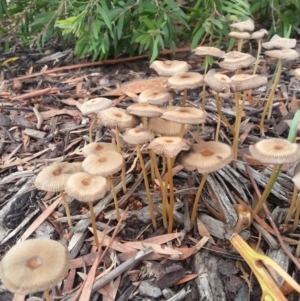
{"points": [[240, 45], [120, 152], [163, 171], [292, 205], [267, 190], [270, 100], [170, 181], [237, 125], [93, 219], [206, 59], [257, 56], [94, 118], [296, 216], [197, 198], [139, 153], [66, 205], [113, 192]]}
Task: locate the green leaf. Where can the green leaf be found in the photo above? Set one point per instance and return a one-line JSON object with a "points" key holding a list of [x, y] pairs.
{"points": [[120, 24], [197, 37]]}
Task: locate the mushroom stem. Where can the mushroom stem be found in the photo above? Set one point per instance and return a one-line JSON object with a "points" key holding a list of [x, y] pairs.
{"points": [[197, 198], [257, 56], [240, 45], [292, 205], [66, 205], [162, 188], [94, 118], [139, 153], [183, 102], [113, 192], [93, 219], [206, 59], [47, 295], [170, 181], [266, 191], [182, 130], [270, 100], [163, 170], [296, 216], [145, 122], [123, 168], [238, 109], [222, 117]]}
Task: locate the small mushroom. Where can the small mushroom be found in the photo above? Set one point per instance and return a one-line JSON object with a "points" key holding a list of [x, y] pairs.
{"points": [[235, 60], [247, 25], [279, 42], [156, 96], [240, 36], [97, 148], [258, 35], [169, 68]]}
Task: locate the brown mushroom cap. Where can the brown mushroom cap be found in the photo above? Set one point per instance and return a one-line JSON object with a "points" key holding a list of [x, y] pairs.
{"points": [[259, 34], [137, 136], [97, 148], [207, 157], [247, 25], [283, 54], [188, 80], [155, 96], [95, 105], [169, 68], [207, 50], [169, 146], [240, 35], [163, 127], [144, 110], [86, 187], [186, 115], [107, 163], [234, 60], [217, 81], [34, 265], [243, 82], [279, 42], [275, 151], [225, 95], [54, 177], [115, 117]]}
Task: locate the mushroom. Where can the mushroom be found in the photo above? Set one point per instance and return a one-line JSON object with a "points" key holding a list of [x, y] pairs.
{"points": [[87, 188], [274, 151], [247, 25], [93, 106], [53, 178], [279, 42], [105, 165], [119, 120], [156, 96], [97, 148], [188, 80], [206, 157], [280, 54], [169, 68], [240, 36], [138, 137], [34, 265], [169, 147], [258, 35]]}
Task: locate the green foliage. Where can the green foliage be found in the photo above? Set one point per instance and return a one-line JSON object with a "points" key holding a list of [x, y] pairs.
{"points": [[103, 28]]}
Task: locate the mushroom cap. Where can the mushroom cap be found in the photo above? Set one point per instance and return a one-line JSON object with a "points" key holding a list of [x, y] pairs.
{"points": [[159, 126], [34, 265], [225, 95], [54, 177], [97, 148], [106, 164], [247, 25], [86, 187], [155, 96], [283, 54], [115, 117], [243, 82], [259, 34], [217, 81], [186, 115], [137, 136], [296, 73], [296, 180], [234, 60], [188, 80], [297, 169], [144, 110], [169, 68], [275, 151], [240, 35], [207, 157], [279, 42], [208, 50], [95, 105], [169, 146]]}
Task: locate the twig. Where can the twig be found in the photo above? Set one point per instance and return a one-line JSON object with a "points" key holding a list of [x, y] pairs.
{"points": [[269, 217], [38, 116], [34, 94]]}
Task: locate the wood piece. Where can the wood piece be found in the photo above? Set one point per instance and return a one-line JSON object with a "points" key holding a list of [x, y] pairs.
{"points": [[16, 175], [272, 242], [34, 133]]}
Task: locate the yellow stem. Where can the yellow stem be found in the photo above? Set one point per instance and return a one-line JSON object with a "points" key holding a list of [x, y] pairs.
{"points": [[93, 219], [296, 216], [145, 122], [237, 125], [292, 205], [240, 45], [197, 198], [114, 195], [47, 295], [163, 171], [257, 56], [94, 118], [184, 98], [182, 130], [139, 153], [171, 208], [270, 100], [66, 205]]}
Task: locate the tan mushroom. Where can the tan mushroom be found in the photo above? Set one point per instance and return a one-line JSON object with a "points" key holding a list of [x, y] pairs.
{"points": [[206, 157], [169, 68], [97, 148], [156, 96], [235, 60], [247, 25], [258, 36], [87, 188], [53, 178], [34, 265], [279, 42], [240, 36]]}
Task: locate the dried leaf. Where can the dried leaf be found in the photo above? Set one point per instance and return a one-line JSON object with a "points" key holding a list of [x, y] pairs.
{"points": [[294, 104], [282, 109]]}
